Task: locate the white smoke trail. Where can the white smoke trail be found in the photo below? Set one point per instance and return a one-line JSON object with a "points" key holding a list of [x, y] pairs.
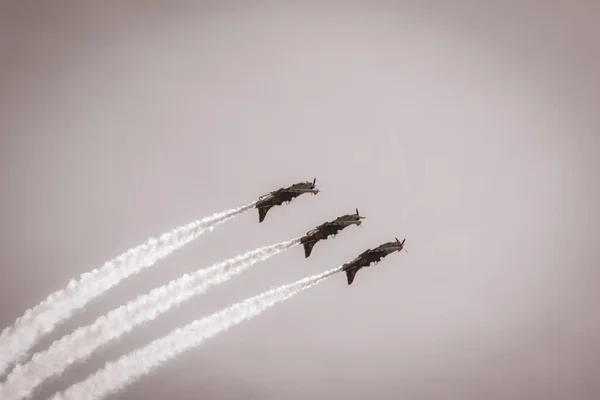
{"points": [[83, 341], [16, 340], [118, 374]]}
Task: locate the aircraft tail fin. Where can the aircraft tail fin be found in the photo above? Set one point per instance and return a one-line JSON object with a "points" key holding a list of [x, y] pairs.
{"points": [[350, 274], [308, 246], [262, 213]]}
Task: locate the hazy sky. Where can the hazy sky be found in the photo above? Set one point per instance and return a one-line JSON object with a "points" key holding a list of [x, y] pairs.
{"points": [[471, 129]]}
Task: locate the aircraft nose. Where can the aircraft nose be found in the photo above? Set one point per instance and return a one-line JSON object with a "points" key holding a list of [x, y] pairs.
{"points": [[358, 223]]}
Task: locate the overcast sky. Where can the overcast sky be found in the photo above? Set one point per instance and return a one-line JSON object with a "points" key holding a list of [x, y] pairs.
{"points": [[471, 130]]}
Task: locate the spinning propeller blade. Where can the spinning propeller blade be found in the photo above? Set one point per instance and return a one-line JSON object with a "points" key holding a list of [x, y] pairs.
{"points": [[402, 244]]}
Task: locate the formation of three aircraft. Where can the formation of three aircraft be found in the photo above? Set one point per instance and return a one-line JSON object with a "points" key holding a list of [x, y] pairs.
{"points": [[331, 228]]}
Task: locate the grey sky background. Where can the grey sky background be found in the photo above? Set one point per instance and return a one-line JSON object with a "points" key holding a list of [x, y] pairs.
{"points": [[471, 129]]}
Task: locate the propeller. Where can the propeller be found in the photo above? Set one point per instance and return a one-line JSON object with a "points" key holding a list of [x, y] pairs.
{"points": [[402, 244], [313, 186], [358, 218]]}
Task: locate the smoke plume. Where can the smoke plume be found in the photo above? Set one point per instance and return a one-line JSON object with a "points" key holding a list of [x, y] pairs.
{"points": [[16, 340], [82, 342], [118, 374]]}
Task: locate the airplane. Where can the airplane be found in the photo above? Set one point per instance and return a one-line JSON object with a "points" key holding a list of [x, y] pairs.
{"points": [[283, 195], [371, 256], [331, 228]]}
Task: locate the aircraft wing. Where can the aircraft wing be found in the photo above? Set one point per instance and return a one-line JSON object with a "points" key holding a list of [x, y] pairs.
{"points": [[328, 226], [333, 229], [296, 190], [293, 191]]}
